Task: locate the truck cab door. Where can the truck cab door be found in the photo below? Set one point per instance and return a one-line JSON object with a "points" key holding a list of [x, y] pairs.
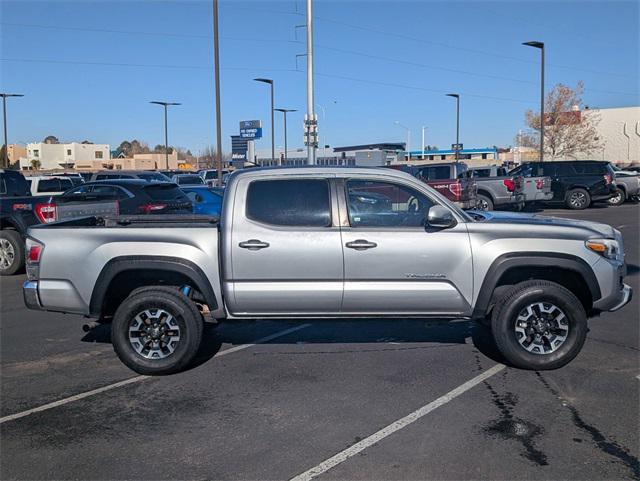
{"points": [[393, 262], [285, 249]]}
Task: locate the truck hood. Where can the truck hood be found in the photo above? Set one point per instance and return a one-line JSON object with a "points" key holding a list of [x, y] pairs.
{"points": [[592, 229]]}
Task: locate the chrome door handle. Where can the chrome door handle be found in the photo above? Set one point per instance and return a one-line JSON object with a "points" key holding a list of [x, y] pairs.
{"points": [[361, 245], [253, 244]]}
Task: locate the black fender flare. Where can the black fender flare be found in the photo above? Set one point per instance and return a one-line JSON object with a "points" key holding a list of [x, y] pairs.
{"points": [[532, 259], [121, 264]]}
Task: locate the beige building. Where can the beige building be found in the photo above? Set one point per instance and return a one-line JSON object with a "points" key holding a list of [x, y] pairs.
{"points": [[619, 132], [65, 156], [16, 152]]}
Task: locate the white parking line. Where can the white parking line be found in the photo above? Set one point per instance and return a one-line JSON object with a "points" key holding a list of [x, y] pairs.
{"points": [[342, 456], [132, 380]]}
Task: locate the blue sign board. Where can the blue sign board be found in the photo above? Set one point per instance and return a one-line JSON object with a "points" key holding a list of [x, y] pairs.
{"points": [[255, 133]]}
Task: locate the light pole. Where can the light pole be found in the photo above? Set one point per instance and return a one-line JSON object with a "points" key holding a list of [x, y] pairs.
{"points": [[166, 134], [423, 129], [273, 137], [5, 159], [540, 45], [216, 72], [457, 149], [408, 149], [284, 111], [311, 121]]}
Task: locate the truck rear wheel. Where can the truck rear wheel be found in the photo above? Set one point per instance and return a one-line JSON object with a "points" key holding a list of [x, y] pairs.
{"points": [[11, 252], [484, 202], [577, 199], [539, 325], [157, 331]]}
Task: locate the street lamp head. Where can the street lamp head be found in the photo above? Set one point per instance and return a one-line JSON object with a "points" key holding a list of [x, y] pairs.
{"points": [[264, 80], [164, 103], [534, 44], [286, 110], [453, 95], [10, 95]]}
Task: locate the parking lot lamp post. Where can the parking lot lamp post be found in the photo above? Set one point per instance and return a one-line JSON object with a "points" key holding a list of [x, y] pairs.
{"points": [[273, 137], [166, 134], [457, 149], [284, 111], [5, 159], [422, 147], [408, 147], [540, 45]]}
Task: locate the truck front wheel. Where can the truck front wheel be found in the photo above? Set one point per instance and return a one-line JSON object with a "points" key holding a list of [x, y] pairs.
{"points": [[157, 331], [539, 325]]}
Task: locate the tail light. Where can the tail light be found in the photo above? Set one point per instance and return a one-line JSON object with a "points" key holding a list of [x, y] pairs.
{"points": [[456, 189], [608, 179], [153, 207], [34, 253], [46, 213], [539, 184], [509, 184]]}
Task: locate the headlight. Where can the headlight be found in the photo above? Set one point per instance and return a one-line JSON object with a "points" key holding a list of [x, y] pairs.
{"points": [[609, 248]]}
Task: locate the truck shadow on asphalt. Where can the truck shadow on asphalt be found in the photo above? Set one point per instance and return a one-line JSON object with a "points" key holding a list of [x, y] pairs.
{"points": [[361, 335]]}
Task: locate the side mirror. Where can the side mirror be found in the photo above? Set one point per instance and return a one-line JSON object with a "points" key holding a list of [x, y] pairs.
{"points": [[440, 217]]}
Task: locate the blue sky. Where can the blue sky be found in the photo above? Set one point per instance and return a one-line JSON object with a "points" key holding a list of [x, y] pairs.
{"points": [[85, 77]]}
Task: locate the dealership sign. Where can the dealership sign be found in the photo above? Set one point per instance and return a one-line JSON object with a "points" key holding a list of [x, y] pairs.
{"points": [[251, 129]]}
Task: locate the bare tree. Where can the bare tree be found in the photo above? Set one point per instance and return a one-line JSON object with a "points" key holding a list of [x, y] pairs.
{"points": [[568, 131], [35, 164]]}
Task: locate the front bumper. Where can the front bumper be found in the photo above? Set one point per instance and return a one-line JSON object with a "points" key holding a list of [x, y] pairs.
{"points": [[625, 296], [30, 295]]}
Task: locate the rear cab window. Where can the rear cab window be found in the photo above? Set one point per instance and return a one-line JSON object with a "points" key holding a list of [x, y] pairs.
{"points": [[290, 203], [165, 192], [54, 185]]}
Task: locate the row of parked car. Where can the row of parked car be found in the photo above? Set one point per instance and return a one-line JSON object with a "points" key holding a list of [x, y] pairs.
{"points": [[573, 184], [59, 197]]}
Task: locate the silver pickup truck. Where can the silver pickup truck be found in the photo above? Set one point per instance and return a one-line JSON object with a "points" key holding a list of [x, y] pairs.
{"points": [[323, 243]]}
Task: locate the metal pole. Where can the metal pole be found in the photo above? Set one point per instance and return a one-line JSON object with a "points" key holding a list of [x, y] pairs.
{"points": [[273, 128], [285, 136], [166, 139], [311, 119], [422, 148], [542, 105], [216, 61], [409, 143], [5, 158], [457, 127]]}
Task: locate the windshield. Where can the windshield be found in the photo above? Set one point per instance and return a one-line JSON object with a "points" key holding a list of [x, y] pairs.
{"points": [[189, 179], [153, 177]]}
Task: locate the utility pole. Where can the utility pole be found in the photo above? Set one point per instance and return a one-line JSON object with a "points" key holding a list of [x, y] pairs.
{"points": [[216, 62], [422, 147], [166, 135], [540, 45], [311, 121], [5, 159], [408, 146]]}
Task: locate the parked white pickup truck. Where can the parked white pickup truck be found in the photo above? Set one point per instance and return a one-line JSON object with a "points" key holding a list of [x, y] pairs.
{"points": [[329, 242]]}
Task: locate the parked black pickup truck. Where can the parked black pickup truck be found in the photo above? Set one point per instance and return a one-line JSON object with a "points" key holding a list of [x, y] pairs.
{"points": [[18, 210]]}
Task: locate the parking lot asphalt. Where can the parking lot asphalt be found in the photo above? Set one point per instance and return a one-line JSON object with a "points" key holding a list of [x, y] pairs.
{"points": [[352, 399]]}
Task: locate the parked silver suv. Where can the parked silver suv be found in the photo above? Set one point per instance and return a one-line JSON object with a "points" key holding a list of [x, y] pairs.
{"points": [[330, 242]]}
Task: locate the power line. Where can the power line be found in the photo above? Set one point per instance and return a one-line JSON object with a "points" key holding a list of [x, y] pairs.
{"points": [[446, 69]]}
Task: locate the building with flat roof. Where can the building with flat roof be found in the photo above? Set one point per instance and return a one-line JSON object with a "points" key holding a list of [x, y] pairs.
{"points": [[65, 156]]}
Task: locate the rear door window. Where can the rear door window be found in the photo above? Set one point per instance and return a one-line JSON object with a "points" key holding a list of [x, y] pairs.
{"points": [[586, 168], [482, 172], [295, 202]]}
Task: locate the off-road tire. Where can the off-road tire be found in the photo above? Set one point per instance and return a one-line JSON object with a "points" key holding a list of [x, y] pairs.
{"points": [[581, 202], [175, 303], [517, 298], [14, 239]]}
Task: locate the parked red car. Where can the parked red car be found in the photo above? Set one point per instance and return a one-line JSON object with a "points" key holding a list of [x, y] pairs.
{"points": [[451, 179]]}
